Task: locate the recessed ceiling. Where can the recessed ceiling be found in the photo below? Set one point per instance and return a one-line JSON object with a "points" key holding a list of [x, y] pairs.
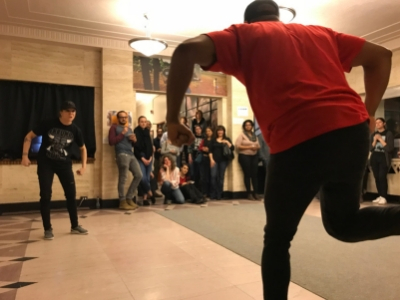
{"points": [[177, 20]]}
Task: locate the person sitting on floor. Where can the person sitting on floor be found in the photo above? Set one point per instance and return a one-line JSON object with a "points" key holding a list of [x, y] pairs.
{"points": [[170, 178], [188, 189]]}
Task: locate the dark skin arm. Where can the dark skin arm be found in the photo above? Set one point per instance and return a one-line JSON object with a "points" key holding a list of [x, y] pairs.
{"points": [[377, 63], [199, 50]]}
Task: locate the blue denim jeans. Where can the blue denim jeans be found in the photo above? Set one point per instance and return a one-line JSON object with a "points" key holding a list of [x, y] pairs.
{"points": [[172, 194], [217, 179], [146, 171]]}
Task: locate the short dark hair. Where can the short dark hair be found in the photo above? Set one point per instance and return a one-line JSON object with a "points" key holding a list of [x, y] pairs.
{"points": [[382, 119], [247, 121], [141, 117], [120, 112], [260, 8]]}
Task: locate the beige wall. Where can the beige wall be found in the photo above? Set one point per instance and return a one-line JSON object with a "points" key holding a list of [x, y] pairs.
{"points": [[118, 94], [237, 98], [51, 63], [356, 77]]}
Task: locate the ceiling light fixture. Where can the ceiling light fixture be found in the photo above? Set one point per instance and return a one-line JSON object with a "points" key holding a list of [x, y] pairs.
{"points": [[147, 45], [287, 14]]}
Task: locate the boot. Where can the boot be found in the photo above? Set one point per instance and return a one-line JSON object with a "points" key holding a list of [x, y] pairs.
{"points": [[124, 205], [132, 203], [250, 197], [255, 196]]}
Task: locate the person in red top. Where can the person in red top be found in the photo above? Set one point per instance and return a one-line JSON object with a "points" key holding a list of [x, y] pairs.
{"points": [[316, 126]]}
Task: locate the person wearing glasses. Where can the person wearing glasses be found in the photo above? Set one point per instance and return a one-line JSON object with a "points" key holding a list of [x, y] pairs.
{"points": [[54, 157], [122, 137]]}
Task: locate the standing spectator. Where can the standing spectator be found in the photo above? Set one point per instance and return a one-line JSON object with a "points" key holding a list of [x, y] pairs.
{"points": [[205, 171], [219, 162], [122, 137], [172, 150], [199, 120], [54, 157], [184, 151], [381, 158], [157, 152], [144, 153], [170, 179], [248, 146], [196, 157], [264, 151]]}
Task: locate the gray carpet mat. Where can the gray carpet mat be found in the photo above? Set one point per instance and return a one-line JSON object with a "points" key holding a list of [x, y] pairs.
{"points": [[329, 268]]}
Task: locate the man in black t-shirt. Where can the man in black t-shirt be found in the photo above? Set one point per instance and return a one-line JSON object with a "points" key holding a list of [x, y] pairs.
{"points": [[55, 158]]}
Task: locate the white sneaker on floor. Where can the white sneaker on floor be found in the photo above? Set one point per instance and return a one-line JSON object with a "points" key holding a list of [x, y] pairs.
{"points": [[382, 201], [377, 200]]}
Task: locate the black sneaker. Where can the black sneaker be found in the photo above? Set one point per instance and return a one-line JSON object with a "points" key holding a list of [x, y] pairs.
{"points": [[48, 234], [153, 200], [146, 203], [79, 230]]}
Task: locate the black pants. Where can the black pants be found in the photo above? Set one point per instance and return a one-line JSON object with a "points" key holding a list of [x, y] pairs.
{"points": [[335, 163], [380, 169], [46, 170], [249, 164], [191, 193]]}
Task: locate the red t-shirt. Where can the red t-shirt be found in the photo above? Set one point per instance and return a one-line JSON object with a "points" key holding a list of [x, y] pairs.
{"points": [[294, 76]]}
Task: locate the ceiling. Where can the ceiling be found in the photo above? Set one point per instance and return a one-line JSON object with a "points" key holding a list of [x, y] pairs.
{"points": [[177, 20]]}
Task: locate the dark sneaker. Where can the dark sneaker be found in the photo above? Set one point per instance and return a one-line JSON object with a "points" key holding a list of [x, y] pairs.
{"points": [[79, 230], [48, 234]]}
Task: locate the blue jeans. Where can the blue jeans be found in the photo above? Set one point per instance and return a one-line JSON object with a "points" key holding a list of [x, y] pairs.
{"points": [[172, 194], [146, 171], [217, 179]]}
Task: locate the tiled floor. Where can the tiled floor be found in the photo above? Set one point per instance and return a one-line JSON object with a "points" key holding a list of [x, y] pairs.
{"points": [[139, 256]]}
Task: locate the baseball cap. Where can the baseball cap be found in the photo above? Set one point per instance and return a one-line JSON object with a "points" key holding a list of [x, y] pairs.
{"points": [[68, 105]]}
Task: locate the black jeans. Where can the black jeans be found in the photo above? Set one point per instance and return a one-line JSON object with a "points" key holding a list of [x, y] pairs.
{"points": [[205, 175], [46, 170], [380, 169], [249, 164], [335, 163]]}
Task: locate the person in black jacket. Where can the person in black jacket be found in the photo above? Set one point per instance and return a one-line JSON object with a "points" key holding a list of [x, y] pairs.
{"points": [[199, 121], [143, 150], [219, 162], [382, 147], [205, 170]]}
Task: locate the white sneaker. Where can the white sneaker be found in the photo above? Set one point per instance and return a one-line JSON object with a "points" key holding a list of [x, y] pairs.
{"points": [[377, 200], [382, 201]]}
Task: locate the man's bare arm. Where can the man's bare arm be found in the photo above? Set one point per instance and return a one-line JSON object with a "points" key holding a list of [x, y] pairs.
{"points": [[377, 63], [27, 143]]}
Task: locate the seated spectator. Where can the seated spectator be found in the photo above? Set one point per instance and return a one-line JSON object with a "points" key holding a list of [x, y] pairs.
{"points": [[188, 189], [170, 178]]}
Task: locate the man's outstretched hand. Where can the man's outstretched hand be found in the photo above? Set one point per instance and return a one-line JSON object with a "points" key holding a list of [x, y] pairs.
{"points": [[179, 134]]}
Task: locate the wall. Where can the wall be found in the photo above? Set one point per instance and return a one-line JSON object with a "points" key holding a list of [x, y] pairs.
{"points": [[230, 119], [356, 77], [50, 63], [117, 94]]}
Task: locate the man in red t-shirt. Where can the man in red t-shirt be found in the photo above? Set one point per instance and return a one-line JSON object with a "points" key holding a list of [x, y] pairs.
{"points": [[315, 125]]}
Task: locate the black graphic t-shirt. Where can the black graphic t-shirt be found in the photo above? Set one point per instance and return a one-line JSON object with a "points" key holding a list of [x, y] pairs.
{"points": [[57, 140], [379, 147]]}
